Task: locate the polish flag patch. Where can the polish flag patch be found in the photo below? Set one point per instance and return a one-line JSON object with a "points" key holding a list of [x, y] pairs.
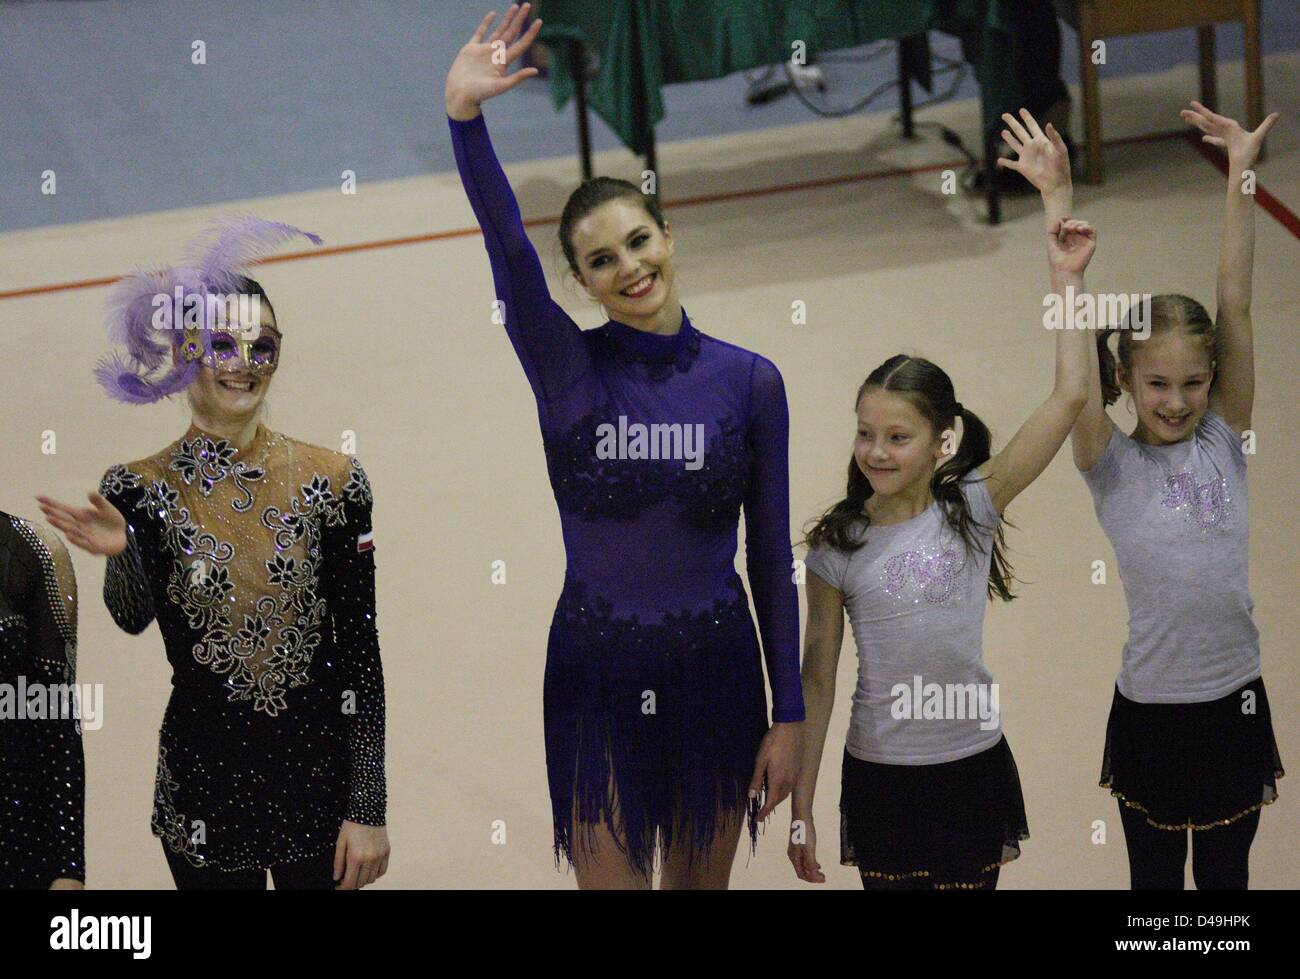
{"points": [[366, 541]]}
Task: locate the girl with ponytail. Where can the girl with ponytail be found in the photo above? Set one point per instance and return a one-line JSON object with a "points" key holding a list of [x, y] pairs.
{"points": [[931, 797], [1189, 742]]}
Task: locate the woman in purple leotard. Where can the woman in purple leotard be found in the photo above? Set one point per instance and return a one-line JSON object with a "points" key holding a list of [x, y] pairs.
{"points": [[656, 436]]}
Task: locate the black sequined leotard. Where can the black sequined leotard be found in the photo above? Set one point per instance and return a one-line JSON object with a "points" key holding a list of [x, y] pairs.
{"points": [[258, 565], [42, 772]]}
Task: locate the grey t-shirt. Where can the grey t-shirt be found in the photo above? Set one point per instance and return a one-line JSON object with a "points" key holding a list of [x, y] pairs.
{"points": [[915, 597], [1176, 517]]}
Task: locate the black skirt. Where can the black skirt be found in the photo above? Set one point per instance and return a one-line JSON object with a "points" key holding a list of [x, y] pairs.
{"points": [[1193, 766], [950, 823]]}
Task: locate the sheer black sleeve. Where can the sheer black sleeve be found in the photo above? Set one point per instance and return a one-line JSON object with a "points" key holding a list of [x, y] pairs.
{"points": [[348, 574], [127, 593]]}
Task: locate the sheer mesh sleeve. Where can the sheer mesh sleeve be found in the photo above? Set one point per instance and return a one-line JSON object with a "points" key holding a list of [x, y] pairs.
{"points": [[548, 343], [60, 789], [768, 555], [349, 576], [126, 583]]}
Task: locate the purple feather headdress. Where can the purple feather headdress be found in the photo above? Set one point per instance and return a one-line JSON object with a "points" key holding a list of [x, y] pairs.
{"points": [[143, 370]]}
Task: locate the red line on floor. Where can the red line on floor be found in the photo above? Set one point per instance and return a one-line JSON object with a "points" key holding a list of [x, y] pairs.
{"points": [[530, 223], [1284, 215]]}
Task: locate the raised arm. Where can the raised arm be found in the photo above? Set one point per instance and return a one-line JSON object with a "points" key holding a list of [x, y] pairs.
{"points": [[548, 343], [1093, 428], [821, 657], [1233, 395], [1043, 160]]}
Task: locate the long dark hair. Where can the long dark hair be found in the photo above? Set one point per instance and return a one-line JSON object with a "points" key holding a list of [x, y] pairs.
{"points": [[1164, 312], [592, 193], [930, 391]]}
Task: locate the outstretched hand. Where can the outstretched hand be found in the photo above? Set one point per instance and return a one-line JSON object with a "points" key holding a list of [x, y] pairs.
{"points": [[481, 69], [1241, 145], [1041, 155], [1070, 246], [97, 529]]}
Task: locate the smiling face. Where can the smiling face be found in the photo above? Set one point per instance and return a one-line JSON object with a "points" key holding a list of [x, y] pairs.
{"points": [[1169, 377], [231, 389], [624, 260], [896, 448]]}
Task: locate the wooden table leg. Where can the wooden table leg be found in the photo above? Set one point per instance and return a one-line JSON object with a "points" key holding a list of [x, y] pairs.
{"points": [[1254, 69], [1090, 78]]}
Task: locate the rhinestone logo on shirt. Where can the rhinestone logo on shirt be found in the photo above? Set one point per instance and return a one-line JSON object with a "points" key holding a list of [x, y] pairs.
{"points": [[1205, 504], [927, 573]]}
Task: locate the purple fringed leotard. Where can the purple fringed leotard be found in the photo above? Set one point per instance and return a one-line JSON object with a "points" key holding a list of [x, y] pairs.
{"points": [[654, 687]]}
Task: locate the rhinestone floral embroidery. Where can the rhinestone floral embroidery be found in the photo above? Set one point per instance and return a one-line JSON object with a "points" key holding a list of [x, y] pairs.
{"points": [[167, 823], [206, 462], [270, 651]]}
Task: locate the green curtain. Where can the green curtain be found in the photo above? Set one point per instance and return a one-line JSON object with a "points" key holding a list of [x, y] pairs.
{"points": [[642, 45]]}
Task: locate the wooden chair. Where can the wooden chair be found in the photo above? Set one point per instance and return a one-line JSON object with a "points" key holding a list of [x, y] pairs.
{"points": [[1098, 19]]}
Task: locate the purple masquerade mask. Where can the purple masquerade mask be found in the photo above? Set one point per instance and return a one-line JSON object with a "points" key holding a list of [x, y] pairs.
{"points": [[185, 308], [256, 351]]}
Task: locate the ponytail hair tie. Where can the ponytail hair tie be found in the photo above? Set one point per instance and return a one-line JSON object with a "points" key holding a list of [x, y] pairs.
{"points": [[957, 409]]}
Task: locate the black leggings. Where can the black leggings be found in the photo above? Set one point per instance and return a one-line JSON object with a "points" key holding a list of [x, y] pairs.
{"points": [[1220, 856], [987, 882], [312, 874]]}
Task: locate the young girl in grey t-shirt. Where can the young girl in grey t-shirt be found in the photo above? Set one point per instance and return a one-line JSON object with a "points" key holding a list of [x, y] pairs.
{"points": [[931, 797], [1189, 743]]}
